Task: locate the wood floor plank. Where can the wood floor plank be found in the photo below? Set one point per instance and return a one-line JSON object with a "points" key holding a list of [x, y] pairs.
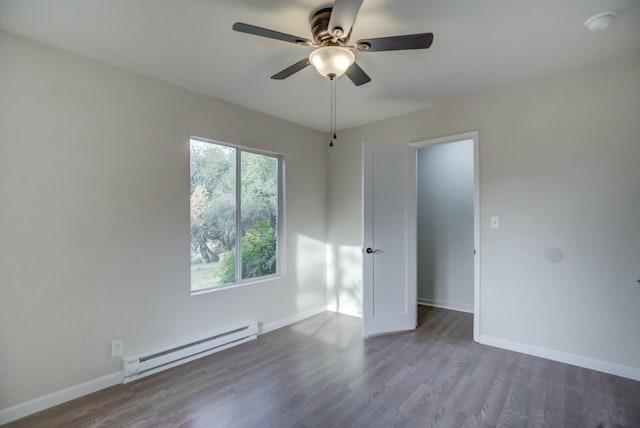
{"points": [[321, 373]]}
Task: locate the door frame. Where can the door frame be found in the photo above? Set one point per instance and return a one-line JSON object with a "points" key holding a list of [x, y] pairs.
{"points": [[475, 136]]}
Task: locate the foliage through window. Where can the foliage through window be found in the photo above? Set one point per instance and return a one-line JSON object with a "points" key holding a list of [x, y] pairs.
{"points": [[221, 221]]}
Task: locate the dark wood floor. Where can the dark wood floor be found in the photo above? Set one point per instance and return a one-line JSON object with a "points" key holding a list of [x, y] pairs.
{"points": [[320, 373]]}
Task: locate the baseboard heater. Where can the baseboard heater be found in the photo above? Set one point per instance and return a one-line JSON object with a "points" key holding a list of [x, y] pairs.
{"points": [[154, 362]]}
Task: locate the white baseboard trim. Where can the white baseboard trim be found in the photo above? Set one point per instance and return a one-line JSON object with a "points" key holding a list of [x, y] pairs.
{"points": [[453, 307], [41, 403], [563, 357], [266, 328]]}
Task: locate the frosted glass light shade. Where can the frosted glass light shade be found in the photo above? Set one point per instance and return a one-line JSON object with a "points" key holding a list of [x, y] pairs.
{"points": [[332, 60]]}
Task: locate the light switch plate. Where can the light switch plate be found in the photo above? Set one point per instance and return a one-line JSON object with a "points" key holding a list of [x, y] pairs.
{"points": [[495, 222]]}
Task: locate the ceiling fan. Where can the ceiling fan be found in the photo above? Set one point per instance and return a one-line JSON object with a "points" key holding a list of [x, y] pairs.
{"points": [[334, 56]]}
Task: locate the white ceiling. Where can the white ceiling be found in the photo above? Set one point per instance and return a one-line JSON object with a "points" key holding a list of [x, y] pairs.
{"points": [[479, 45]]}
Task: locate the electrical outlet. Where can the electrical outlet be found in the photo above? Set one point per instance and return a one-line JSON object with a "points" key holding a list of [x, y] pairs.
{"points": [[116, 348]]}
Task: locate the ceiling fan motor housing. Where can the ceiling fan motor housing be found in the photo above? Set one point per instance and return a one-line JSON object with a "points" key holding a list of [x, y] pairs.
{"points": [[320, 29]]}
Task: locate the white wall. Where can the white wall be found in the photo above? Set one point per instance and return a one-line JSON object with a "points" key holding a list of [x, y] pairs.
{"points": [[559, 162], [94, 217], [445, 225]]}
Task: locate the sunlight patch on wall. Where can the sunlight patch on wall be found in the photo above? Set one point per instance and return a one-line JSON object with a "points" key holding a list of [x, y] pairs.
{"points": [[344, 279], [308, 270]]}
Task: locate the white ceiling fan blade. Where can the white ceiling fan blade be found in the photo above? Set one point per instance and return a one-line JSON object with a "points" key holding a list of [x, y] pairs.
{"points": [[343, 16]]}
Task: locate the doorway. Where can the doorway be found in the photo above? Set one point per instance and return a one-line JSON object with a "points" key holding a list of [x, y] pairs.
{"points": [[448, 237]]}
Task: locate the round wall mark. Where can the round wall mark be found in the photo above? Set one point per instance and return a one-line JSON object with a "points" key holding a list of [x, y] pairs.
{"points": [[553, 255]]}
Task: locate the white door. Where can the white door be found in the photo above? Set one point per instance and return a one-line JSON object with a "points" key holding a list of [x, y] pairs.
{"points": [[389, 222]]}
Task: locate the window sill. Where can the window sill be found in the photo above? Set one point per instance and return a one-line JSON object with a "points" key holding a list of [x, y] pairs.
{"points": [[239, 284]]}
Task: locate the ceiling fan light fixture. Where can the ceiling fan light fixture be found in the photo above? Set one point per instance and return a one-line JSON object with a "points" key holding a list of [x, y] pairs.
{"points": [[332, 61]]}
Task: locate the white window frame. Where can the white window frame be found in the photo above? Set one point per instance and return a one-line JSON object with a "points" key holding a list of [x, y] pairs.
{"points": [[280, 224]]}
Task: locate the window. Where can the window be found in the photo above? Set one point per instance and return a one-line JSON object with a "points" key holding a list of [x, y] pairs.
{"points": [[236, 202]]}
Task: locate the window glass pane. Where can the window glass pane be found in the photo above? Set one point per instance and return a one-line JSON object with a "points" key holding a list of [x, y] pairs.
{"points": [[213, 215], [259, 214]]}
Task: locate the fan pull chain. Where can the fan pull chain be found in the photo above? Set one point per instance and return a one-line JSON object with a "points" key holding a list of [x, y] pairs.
{"points": [[331, 109], [335, 114]]}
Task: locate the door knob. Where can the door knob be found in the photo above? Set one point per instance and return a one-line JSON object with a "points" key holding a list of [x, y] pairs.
{"points": [[369, 250]]}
